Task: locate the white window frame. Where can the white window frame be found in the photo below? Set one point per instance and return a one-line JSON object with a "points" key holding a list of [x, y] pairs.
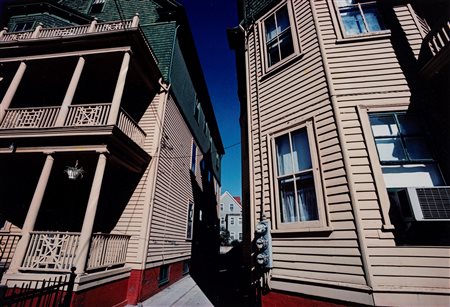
{"points": [[232, 236], [302, 226], [342, 36], [294, 34], [231, 220], [231, 207], [240, 220]]}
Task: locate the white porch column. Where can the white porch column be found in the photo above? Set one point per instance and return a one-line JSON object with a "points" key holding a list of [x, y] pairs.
{"points": [[89, 217], [32, 214], [12, 89], [115, 105], [70, 93]]}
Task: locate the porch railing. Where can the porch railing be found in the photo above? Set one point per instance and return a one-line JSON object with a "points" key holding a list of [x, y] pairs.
{"points": [[107, 250], [88, 115], [438, 39], [51, 251], [42, 117], [128, 126], [78, 115], [8, 243], [55, 251]]}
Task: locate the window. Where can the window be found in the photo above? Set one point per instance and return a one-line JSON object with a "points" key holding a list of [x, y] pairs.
{"points": [[295, 180], [97, 6], [279, 43], [231, 207], [193, 157], [186, 265], [232, 236], [221, 207], [403, 150], [23, 26], [359, 17], [240, 236], [240, 220], [231, 220], [222, 220], [190, 219], [163, 275]]}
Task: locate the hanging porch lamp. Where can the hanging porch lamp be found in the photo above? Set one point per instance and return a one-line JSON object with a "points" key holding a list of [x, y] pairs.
{"points": [[73, 172]]}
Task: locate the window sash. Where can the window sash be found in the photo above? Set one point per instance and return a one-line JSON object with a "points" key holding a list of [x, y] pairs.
{"points": [[278, 36], [359, 17], [297, 203]]}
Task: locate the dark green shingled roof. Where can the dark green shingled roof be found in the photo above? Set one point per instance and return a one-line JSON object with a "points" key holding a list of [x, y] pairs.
{"points": [[161, 37], [253, 9]]}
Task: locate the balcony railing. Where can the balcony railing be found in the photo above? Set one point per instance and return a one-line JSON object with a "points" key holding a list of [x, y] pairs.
{"points": [[131, 128], [107, 250], [43, 117], [54, 251], [51, 251], [8, 243], [88, 115], [78, 115], [94, 27], [438, 39], [435, 51]]}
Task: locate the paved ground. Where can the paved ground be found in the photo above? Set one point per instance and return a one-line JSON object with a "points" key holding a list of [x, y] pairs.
{"points": [[184, 292]]}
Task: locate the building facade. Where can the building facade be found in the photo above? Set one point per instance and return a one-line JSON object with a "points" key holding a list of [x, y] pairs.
{"points": [[109, 148], [345, 148], [231, 215]]}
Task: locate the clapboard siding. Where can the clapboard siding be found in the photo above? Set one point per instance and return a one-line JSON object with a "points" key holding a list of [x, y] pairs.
{"points": [[298, 92], [368, 72], [131, 219], [173, 191]]}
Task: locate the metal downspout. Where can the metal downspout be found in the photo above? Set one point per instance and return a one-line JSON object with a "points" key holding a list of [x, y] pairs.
{"points": [[340, 129]]}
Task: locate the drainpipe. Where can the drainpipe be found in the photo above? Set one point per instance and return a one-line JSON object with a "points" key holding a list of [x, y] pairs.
{"points": [[347, 165]]}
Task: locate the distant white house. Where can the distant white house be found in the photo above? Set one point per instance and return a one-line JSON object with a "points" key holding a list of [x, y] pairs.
{"points": [[230, 214]]}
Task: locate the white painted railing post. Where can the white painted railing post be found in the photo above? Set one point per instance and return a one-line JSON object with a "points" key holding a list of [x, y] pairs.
{"points": [[36, 31], [32, 214], [89, 216], [70, 93], [92, 26], [2, 32], [6, 101], [118, 92], [135, 21]]}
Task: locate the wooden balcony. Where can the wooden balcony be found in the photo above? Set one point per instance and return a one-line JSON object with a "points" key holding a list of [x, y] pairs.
{"points": [[435, 52], [94, 27], [87, 115], [53, 251]]}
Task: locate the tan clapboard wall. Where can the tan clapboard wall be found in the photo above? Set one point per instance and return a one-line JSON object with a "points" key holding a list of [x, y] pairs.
{"points": [[173, 191], [130, 222], [296, 93], [368, 73]]}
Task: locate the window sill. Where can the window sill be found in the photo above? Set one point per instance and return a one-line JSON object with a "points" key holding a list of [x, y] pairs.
{"points": [[326, 229], [163, 282], [281, 65], [364, 37]]}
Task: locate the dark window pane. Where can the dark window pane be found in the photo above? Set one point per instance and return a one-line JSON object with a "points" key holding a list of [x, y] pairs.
{"points": [[306, 196], [418, 149], [390, 149], [274, 55], [271, 30], [301, 153], [286, 44], [409, 124], [372, 17], [284, 159], [282, 19], [289, 212]]}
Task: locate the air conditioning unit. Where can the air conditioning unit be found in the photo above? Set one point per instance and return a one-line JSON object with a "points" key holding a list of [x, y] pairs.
{"points": [[425, 204]]}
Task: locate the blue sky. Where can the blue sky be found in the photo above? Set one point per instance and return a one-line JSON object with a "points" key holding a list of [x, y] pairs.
{"points": [[209, 20]]}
